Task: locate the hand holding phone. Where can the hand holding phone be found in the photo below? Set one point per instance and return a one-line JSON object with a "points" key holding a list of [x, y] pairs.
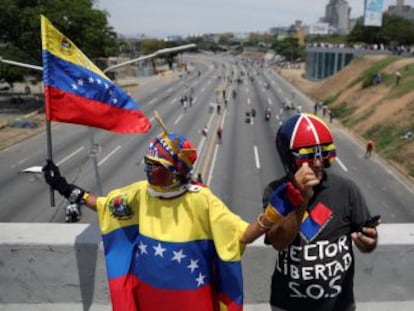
{"points": [[371, 222]]}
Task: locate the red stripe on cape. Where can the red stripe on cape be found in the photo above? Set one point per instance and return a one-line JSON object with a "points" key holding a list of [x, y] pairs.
{"points": [[128, 293]]}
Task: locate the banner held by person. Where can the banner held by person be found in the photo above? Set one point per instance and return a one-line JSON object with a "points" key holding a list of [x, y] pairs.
{"points": [[77, 91]]}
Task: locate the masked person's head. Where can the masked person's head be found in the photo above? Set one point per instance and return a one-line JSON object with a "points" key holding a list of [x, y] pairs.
{"points": [[305, 138], [169, 161]]}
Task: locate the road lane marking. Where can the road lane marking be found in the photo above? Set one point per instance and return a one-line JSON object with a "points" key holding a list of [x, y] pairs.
{"points": [[178, 119], [70, 156], [341, 164], [20, 162], [109, 155], [256, 157], [223, 119], [152, 101], [213, 163]]}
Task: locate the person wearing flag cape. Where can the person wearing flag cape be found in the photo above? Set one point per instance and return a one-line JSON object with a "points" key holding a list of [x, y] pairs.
{"points": [[170, 243]]}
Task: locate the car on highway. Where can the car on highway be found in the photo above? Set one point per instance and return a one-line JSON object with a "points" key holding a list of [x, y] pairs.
{"points": [[4, 86]]}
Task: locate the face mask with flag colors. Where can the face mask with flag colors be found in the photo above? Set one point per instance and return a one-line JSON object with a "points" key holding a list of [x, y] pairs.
{"points": [[77, 91]]}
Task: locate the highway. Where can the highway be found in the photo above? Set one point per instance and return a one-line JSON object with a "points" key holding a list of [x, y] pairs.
{"points": [[236, 170]]}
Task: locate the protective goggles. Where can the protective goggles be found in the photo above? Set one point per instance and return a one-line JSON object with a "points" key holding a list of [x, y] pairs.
{"points": [[311, 154], [151, 163]]}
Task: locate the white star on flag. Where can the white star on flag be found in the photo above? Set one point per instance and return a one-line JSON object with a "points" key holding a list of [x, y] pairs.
{"points": [[178, 256], [74, 87], [99, 81], [80, 82], [143, 248], [91, 80], [193, 265], [200, 279], [159, 250]]}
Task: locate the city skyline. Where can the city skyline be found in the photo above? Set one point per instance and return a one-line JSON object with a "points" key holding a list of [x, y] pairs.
{"points": [[161, 18]]}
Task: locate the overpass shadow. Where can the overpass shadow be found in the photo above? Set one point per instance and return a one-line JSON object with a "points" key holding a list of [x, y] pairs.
{"points": [[91, 268]]}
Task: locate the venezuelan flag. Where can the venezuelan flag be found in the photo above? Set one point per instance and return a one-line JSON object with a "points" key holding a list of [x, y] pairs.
{"points": [[76, 91], [180, 254]]}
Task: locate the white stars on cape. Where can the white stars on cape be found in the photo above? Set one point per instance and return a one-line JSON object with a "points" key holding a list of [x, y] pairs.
{"points": [[200, 279], [193, 265], [159, 250], [143, 248], [179, 257]]}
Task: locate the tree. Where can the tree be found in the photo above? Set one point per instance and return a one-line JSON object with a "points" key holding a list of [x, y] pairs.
{"points": [[395, 30], [86, 26], [289, 48]]}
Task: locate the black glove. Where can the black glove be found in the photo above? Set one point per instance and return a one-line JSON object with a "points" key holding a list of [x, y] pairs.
{"points": [[53, 178]]}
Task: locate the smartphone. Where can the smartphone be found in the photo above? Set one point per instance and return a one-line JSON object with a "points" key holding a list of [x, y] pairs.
{"points": [[371, 222]]}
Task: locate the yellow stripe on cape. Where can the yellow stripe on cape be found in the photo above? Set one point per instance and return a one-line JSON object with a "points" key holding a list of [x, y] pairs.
{"points": [[193, 216], [59, 45]]}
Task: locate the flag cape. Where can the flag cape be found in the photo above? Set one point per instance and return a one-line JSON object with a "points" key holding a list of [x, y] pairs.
{"points": [[77, 91], [180, 254]]}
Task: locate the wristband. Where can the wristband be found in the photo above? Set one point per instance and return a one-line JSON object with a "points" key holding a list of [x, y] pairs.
{"points": [[261, 224], [272, 214], [85, 197]]}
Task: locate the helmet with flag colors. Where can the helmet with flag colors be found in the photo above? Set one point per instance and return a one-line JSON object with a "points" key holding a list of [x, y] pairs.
{"points": [[174, 152], [304, 137]]}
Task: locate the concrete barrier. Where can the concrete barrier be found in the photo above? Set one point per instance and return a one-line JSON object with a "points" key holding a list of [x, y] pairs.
{"points": [[62, 267], [52, 264]]}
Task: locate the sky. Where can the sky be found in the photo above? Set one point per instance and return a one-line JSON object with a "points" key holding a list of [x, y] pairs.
{"points": [[160, 18]]}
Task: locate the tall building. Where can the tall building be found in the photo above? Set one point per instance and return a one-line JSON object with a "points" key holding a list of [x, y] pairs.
{"points": [[337, 15], [402, 10]]}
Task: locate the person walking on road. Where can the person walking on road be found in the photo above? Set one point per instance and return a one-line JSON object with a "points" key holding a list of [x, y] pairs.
{"points": [[219, 135], [397, 78], [369, 148], [169, 244], [325, 216]]}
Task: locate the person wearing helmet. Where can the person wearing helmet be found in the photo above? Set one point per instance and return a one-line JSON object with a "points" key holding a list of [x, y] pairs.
{"points": [[315, 265], [169, 244]]}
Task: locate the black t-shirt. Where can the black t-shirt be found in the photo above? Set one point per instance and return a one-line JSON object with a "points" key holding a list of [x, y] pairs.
{"points": [[316, 271]]}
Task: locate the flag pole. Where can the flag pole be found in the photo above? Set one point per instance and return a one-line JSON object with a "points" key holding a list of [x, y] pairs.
{"points": [[50, 157]]}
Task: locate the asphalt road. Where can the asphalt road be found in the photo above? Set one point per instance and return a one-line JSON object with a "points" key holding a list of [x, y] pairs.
{"points": [[237, 170]]}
